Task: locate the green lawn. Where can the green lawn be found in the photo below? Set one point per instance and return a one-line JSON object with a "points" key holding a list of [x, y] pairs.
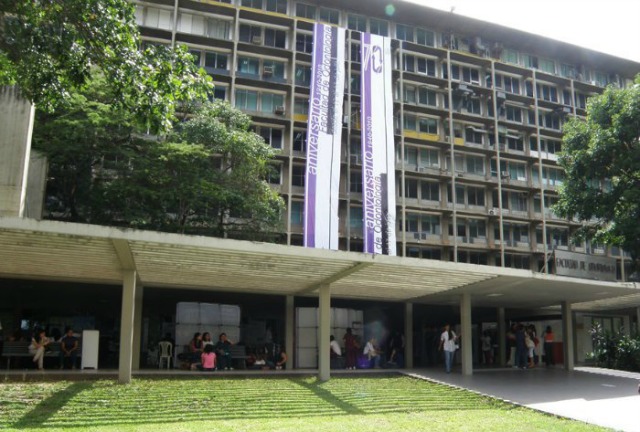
{"points": [[390, 403]]}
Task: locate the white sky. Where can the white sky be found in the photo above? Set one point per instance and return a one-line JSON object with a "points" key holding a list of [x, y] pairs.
{"points": [[610, 26]]}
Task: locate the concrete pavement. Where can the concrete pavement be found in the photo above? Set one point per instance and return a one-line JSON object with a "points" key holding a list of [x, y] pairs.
{"points": [[598, 396]]}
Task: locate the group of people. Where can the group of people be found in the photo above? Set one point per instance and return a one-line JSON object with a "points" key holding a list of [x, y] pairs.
{"points": [[371, 355], [40, 344], [205, 355], [523, 341]]}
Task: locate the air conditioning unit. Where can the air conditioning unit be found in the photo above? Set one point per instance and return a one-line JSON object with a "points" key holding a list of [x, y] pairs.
{"points": [[494, 211], [422, 169], [423, 236], [256, 40], [505, 175], [279, 110], [267, 71]]}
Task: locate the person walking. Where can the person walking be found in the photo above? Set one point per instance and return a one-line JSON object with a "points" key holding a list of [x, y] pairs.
{"points": [[351, 349], [448, 345]]}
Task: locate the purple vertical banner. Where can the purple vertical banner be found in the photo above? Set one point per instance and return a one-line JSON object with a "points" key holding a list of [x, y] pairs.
{"points": [[378, 173], [324, 138]]}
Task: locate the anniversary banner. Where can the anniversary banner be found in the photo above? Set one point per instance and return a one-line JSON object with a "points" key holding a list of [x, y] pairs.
{"points": [[378, 168], [324, 134]]}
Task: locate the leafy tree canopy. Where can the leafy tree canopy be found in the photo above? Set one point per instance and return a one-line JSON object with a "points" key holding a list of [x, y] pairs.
{"points": [[601, 158], [49, 47], [206, 177]]}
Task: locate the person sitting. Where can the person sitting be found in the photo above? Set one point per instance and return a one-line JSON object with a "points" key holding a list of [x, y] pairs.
{"points": [[68, 350], [281, 360], [223, 351], [372, 352], [195, 350], [39, 342], [208, 359], [206, 339], [336, 351]]}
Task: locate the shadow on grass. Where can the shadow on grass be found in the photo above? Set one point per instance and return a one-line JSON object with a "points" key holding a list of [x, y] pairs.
{"points": [[105, 403], [49, 407]]}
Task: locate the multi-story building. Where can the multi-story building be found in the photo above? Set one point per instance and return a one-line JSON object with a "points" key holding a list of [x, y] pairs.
{"points": [[453, 77]]}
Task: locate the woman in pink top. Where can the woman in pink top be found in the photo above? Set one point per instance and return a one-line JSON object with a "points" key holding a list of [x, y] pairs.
{"points": [[208, 359]]}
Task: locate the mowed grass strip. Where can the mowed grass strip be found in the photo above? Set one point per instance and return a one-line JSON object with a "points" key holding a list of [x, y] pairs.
{"points": [[258, 404]]}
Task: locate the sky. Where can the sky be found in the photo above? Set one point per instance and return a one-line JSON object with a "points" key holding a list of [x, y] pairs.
{"points": [[609, 26]]}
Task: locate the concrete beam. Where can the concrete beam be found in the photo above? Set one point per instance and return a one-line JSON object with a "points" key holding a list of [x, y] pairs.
{"points": [[336, 277], [125, 256], [567, 335], [289, 327], [324, 332], [466, 334], [408, 335], [126, 326]]}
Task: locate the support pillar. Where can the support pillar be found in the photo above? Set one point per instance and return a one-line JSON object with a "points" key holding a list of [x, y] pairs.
{"points": [[638, 320], [408, 335], [502, 337], [289, 326], [137, 329], [324, 332], [567, 335], [126, 325], [466, 334]]}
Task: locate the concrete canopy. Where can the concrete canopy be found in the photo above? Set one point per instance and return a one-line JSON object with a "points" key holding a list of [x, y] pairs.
{"points": [[49, 250]]}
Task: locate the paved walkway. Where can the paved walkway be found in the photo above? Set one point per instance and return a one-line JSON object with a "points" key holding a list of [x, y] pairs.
{"points": [[598, 396]]}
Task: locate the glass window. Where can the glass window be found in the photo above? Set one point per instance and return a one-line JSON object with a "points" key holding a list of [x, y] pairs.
{"points": [[356, 56], [357, 22], [425, 37], [426, 66], [355, 217], [514, 114], [249, 65], [509, 56], [475, 196], [297, 175], [279, 6], [379, 27], [273, 69], [303, 75], [297, 213], [331, 16], [404, 32], [428, 125], [430, 224], [409, 63], [411, 188], [274, 175], [301, 106], [475, 164], [410, 122], [257, 4], [430, 191], [250, 34], [547, 65], [305, 11], [429, 158], [272, 136], [355, 182], [427, 97], [270, 101], [300, 141], [409, 94], [247, 100], [304, 43], [220, 92], [214, 61], [275, 38], [411, 155]]}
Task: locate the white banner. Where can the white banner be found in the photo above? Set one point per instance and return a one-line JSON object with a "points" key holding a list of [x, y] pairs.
{"points": [[324, 135], [378, 167]]}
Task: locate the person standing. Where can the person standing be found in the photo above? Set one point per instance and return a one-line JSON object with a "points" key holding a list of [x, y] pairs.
{"points": [[521, 348], [448, 345], [548, 347], [68, 349], [39, 343], [487, 348], [351, 348]]}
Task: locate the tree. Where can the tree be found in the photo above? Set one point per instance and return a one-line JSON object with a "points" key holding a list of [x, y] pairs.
{"points": [[206, 177], [49, 47], [601, 159]]}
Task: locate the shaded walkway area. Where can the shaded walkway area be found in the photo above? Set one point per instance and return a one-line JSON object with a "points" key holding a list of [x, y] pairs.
{"points": [[597, 396]]}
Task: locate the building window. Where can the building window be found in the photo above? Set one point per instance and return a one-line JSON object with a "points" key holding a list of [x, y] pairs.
{"points": [[272, 136], [547, 92], [354, 84], [509, 56], [356, 56], [331, 16], [215, 61], [250, 34], [411, 188], [304, 43], [303, 75], [274, 174], [202, 26], [404, 32], [154, 17], [300, 141], [355, 218], [220, 92], [297, 213], [355, 182], [430, 191], [278, 6], [513, 114], [305, 11], [515, 144], [427, 97], [275, 38], [547, 65], [568, 71], [425, 37], [379, 27], [530, 61], [473, 106], [249, 66], [301, 106], [273, 69], [357, 22], [475, 196], [472, 136], [256, 4], [297, 175], [247, 100], [271, 102]]}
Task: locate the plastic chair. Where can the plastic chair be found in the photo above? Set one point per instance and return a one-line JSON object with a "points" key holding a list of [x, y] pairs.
{"points": [[166, 353]]}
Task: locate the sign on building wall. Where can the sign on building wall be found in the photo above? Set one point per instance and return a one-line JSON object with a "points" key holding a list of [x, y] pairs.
{"points": [[324, 135], [584, 266], [378, 166]]}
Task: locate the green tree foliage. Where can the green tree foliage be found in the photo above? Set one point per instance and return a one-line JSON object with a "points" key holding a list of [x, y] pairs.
{"points": [[206, 177], [49, 47], [601, 158]]}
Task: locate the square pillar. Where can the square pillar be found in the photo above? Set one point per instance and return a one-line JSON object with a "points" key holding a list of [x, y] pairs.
{"points": [[137, 329], [502, 337], [408, 335], [289, 326], [126, 325], [567, 334], [466, 334], [324, 332]]}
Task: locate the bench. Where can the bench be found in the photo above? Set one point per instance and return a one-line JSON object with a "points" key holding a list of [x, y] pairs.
{"points": [[239, 355], [21, 349]]}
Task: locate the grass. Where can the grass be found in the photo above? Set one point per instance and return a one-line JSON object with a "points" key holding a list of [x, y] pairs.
{"points": [[297, 404]]}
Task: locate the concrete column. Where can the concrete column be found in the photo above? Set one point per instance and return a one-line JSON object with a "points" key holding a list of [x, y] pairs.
{"points": [[466, 333], [638, 320], [16, 127], [408, 335], [137, 329], [289, 326], [567, 334], [502, 337], [126, 325], [324, 332]]}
